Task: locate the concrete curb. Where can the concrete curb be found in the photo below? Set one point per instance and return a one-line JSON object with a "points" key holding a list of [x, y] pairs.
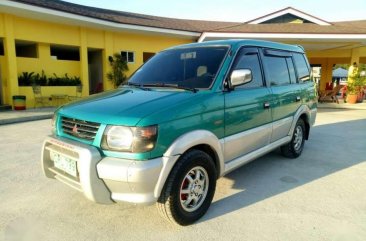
{"points": [[25, 119]]}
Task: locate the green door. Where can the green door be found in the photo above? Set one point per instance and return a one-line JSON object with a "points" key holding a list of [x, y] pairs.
{"points": [[247, 116], [286, 91]]}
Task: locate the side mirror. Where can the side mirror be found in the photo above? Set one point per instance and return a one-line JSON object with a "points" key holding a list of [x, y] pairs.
{"points": [[240, 77]]}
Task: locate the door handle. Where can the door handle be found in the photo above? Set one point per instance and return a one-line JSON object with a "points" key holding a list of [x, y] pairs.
{"points": [[266, 105], [298, 98]]}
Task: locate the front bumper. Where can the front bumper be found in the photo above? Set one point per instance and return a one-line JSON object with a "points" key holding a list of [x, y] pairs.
{"points": [[103, 179]]}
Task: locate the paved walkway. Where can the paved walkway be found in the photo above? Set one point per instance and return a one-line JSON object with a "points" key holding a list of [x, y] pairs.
{"points": [[342, 105], [15, 116]]}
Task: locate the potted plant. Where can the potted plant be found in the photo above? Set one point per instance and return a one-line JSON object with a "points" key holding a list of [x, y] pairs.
{"points": [[355, 86], [351, 93]]}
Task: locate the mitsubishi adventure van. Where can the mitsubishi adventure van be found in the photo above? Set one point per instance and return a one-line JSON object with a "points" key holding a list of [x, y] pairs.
{"points": [[187, 117]]}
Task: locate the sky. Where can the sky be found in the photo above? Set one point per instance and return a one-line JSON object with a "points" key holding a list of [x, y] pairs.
{"points": [[234, 10]]}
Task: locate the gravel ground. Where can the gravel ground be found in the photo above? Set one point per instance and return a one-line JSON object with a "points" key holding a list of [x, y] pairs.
{"points": [[319, 196]]}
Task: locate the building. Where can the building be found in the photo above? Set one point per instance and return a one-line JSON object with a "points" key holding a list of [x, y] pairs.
{"points": [[64, 38]]}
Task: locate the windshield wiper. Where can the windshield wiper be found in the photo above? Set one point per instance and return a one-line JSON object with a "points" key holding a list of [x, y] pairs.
{"points": [[175, 86], [140, 86]]}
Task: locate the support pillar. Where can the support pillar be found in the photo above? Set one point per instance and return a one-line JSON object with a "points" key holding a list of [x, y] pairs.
{"points": [[326, 73], [11, 81], [44, 52], [355, 58], [108, 51], [84, 65]]}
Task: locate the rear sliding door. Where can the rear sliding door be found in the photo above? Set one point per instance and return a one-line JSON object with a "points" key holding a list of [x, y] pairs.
{"points": [[286, 92]]}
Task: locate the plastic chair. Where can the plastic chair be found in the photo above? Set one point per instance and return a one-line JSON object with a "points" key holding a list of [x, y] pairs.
{"points": [[330, 94], [38, 97]]}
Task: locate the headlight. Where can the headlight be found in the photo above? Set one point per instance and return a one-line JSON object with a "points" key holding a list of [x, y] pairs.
{"points": [[129, 139], [119, 137]]}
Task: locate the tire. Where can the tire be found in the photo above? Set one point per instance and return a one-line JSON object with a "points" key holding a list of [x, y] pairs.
{"points": [[189, 189], [294, 148]]}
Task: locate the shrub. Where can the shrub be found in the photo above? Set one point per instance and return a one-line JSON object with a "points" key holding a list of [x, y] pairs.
{"points": [[40, 79], [29, 79], [119, 66], [26, 79]]}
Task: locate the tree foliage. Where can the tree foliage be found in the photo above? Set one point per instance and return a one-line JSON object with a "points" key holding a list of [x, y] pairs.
{"points": [[119, 67], [357, 80]]}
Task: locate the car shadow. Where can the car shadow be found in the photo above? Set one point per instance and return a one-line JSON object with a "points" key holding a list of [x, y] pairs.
{"points": [[331, 148]]}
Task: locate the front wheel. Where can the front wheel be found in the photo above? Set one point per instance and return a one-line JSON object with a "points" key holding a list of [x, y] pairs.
{"points": [[189, 189], [294, 148]]}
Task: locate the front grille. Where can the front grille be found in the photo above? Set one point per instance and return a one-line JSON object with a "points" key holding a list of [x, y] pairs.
{"points": [[81, 129]]}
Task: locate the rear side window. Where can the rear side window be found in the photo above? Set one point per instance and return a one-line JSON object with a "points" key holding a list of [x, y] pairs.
{"points": [[291, 69], [250, 60], [277, 70], [302, 67]]}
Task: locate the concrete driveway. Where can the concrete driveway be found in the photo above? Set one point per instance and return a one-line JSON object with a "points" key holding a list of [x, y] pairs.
{"points": [[319, 196]]}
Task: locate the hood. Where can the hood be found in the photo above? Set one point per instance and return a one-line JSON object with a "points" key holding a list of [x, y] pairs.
{"points": [[124, 106]]}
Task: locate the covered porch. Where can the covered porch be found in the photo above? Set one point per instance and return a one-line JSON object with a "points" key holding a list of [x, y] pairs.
{"points": [[329, 54]]}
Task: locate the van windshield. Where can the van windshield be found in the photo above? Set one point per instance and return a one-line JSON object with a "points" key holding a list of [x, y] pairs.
{"points": [[186, 68]]}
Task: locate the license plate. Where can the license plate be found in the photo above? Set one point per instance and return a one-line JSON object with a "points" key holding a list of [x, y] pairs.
{"points": [[63, 163]]}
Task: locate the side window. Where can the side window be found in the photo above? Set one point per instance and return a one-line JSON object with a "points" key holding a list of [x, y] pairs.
{"points": [[128, 56], [291, 70], [249, 60], [302, 67], [276, 68]]}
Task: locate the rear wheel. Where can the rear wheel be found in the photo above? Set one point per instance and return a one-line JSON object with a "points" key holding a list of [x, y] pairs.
{"points": [[189, 189], [294, 148]]}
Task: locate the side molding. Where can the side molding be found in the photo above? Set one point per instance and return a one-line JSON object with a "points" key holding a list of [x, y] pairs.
{"points": [[181, 145], [242, 160]]}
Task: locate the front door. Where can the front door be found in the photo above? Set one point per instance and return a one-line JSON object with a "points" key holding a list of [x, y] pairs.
{"points": [[95, 65], [247, 118]]}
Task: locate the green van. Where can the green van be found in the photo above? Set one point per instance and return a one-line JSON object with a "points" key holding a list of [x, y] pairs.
{"points": [[188, 116]]}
